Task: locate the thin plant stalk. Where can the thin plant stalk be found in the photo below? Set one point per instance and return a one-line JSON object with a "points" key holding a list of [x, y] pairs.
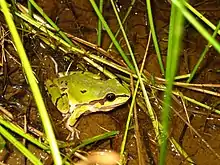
{"points": [[111, 35], [40, 10], [99, 40], [199, 15], [33, 84], [178, 93], [30, 11], [174, 42], [139, 142], [154, 37], [203, 55], [146, 98], [123, 21]]}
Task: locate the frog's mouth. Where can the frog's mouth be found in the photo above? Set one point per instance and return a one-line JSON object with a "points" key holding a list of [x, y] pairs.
{"points": [[97, 108], [108, 104]]}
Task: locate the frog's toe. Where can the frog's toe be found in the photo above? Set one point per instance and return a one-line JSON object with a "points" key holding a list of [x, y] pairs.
{"points": [[74, 133]]}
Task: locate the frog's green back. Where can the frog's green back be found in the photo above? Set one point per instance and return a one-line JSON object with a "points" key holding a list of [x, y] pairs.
{"points": [[83, 89]]}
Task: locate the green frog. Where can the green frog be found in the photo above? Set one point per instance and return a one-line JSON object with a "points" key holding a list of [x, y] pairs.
{"points": [[80, 92]]}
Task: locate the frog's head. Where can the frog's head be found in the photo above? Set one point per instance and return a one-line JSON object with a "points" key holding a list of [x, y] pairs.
{"points": [[110, 96]]}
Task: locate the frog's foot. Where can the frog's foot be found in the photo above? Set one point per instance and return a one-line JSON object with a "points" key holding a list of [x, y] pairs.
{"points": [[74, 133]]}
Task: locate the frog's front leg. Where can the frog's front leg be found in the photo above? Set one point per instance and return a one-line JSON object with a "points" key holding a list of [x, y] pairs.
{"points": [[71, 123], [59, 98]]}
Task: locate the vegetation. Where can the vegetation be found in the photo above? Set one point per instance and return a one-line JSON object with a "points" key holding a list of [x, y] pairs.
{"points": [[23, 22]]}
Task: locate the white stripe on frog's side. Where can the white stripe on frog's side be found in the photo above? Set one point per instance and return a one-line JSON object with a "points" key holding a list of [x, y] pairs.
{"points": [[94, 107], [72, 107]]}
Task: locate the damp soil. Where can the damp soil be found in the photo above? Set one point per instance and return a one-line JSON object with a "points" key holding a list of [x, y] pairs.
{"points": [[79, 19]]}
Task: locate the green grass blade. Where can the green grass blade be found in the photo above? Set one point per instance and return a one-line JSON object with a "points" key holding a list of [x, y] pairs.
{"points": [[33, 84], [20, 147], [20, 132], [175, 36]]}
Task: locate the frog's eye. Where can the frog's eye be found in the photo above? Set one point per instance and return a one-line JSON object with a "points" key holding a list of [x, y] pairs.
{"points": [[110, 97]]}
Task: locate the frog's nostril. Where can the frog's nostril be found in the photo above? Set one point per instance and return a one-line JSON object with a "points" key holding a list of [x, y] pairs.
{"points": [[110, 97]]}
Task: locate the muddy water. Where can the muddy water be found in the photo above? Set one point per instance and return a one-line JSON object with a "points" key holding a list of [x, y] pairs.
{"points": [[79, 19]]}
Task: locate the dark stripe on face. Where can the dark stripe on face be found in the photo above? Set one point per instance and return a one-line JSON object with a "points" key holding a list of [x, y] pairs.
{"points": [[102, 101]]}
